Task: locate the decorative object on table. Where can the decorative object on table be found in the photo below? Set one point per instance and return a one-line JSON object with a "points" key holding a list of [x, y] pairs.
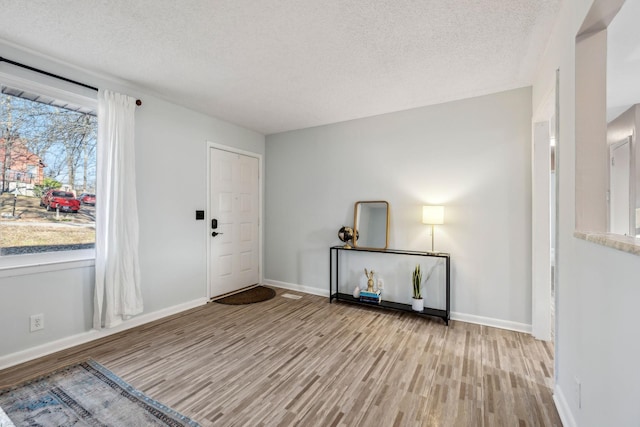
{"points": [[346, 235], [380, 287], [369, 280], [371, 224], [88, 394], [418, 298], [249, 296], [432, 215], [356, 292], [367, 296], [418, 302]]}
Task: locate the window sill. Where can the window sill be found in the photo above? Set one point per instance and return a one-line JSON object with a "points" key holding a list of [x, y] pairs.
{"points": [[616, 241], [20, 265]]}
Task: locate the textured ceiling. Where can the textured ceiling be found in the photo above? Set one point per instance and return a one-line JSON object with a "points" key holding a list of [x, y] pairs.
{"points": [[276, 65]]}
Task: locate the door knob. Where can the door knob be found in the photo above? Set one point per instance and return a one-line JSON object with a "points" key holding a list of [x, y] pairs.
{"points": [[214, 234]]}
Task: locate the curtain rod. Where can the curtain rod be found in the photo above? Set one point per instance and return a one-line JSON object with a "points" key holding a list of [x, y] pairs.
{"points": [[46, 73]]}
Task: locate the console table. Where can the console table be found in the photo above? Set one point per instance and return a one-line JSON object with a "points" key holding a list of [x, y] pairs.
{"points": [[335, 293]]}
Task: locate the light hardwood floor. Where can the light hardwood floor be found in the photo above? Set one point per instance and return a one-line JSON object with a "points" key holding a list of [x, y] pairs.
{"points": [[306, 362]]}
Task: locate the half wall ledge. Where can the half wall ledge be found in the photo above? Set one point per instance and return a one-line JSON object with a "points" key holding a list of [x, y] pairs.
{"points": [[616, 241]]}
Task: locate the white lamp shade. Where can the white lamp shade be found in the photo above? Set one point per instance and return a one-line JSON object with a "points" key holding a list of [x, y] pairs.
{"points": [[433, 214]]}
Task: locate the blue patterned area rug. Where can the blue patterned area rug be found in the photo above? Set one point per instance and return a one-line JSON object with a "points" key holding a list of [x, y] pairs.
{"points": [[85, 394]]}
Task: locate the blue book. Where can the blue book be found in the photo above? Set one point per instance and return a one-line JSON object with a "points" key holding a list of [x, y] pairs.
{"points": [[367, 294]]}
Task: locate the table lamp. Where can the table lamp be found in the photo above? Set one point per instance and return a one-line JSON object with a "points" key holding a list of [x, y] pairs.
{"points": [[432, 215]]}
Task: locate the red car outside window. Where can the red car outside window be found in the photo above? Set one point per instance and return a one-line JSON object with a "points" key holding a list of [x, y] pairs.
{"points": [[87, 199], [60, 200]]}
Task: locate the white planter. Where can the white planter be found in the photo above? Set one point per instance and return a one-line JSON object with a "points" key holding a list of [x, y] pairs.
{"points": [[417, 304]]}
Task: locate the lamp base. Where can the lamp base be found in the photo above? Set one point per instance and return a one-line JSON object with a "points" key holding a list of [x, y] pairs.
{"points": [[432, 232]]}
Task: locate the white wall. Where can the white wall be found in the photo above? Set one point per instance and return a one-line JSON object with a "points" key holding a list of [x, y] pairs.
{"points": [[598, 289], [171, 173], [473, 156]]}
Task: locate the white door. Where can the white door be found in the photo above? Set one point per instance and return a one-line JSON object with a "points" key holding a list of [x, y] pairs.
{"points": [[619, 187], [234, 214]]}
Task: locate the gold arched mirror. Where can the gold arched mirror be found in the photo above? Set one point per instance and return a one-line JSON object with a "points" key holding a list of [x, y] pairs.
{"points": [[371, 225]]}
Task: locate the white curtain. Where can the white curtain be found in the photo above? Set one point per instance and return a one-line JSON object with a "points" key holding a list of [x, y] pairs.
{"points": [[117, 289]]}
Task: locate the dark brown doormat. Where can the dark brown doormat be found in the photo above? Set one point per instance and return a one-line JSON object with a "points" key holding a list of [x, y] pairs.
{"points": [[257, 294]]}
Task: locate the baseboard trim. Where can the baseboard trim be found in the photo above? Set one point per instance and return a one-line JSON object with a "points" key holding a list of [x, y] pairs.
{"points": [[490, 321], [563, 408], [93, 334], [296, 287]]}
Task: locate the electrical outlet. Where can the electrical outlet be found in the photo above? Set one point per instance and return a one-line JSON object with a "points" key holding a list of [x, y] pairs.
{"points": [[37, 322], [578, 391]]}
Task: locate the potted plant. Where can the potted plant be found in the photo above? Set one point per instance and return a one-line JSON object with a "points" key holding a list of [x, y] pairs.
{"points": [[418, 301]]}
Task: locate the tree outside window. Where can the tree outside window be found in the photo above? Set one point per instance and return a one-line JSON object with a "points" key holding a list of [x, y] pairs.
{"points": [[45, 144]]}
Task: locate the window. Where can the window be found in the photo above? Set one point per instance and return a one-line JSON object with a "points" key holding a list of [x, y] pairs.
{"points": [[47, 160]]}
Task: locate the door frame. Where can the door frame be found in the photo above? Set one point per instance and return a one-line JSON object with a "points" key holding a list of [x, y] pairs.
{"points": [[541, 233], [544, 125], [632, 181], [209, 216]]}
